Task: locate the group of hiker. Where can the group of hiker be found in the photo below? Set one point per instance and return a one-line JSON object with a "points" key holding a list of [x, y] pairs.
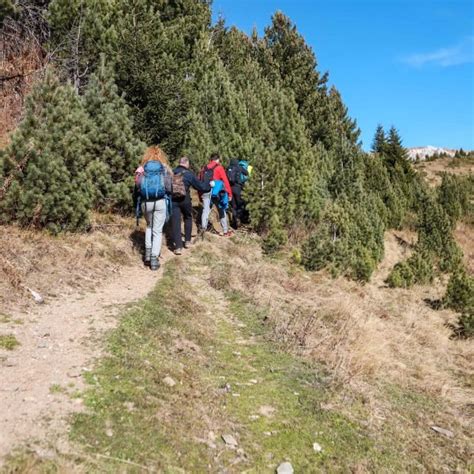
{"points": [[162, 194]]}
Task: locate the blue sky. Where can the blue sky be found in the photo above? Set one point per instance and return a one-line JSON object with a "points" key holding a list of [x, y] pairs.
{"points": [[409, 63]]}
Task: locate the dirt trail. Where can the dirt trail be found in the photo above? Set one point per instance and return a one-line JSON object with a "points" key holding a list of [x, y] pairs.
{"points": [[59, 341]]}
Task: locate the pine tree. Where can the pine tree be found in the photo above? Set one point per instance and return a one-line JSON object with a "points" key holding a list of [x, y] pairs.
{"points": [[342, 126], [218, 114], [153, 62], [454, 196], [286, 57], [379, 143], [115, 148], [289, 173], [47, 158], [80, 31], [396, 157], [460, 292]]}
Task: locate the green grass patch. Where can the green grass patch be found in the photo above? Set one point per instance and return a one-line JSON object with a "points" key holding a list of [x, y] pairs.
{"points": [[133, 415], [6, 319], [56, 388], [295, 392], [8, 342]]}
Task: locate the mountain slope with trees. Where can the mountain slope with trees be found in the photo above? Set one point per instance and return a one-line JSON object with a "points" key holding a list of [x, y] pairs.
{"points": [[161, 72], [346, 306]]}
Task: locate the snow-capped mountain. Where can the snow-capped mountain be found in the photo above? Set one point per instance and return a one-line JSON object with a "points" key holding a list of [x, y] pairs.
{"points": [[425, 151]]}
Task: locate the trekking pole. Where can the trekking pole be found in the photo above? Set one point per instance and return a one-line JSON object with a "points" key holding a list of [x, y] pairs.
{"points": [[137, 210]]}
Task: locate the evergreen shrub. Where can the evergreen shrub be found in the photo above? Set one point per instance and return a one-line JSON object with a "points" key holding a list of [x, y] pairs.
{"points": [[47, 159]]}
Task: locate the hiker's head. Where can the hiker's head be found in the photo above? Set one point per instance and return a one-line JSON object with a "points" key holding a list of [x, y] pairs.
{"points": [[215, 157], [184, 162], [155, 153]]}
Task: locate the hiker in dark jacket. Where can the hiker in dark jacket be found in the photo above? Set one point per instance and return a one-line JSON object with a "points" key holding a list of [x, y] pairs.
{"points": [[182, 205], [234, 173]]}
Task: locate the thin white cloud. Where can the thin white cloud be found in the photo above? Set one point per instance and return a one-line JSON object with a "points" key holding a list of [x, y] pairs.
{"points": [[461, 53]]}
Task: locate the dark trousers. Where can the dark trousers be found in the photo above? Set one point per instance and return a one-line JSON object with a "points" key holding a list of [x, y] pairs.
{"points": [[182, 208], [238, 206]]}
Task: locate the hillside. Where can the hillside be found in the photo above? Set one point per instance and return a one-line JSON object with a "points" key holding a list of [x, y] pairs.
{"points": [[332, 333], [433, 169]]}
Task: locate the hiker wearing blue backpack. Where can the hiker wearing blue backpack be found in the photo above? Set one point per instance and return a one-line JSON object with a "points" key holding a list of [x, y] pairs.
{"points": [[238, 174], [183, 180], [219, 192], [153, 184]]}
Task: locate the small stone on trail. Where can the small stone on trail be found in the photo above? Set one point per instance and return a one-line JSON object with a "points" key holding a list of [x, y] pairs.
{"points": [[36, 296], [317, 447], [285, 468], [74, 373], [254, 417], [229, 440], [443, 431], [169, 381], [109, 433], [254, 381]]}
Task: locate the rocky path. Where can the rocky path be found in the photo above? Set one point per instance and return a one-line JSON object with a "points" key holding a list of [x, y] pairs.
{"points": [[58, 343]]}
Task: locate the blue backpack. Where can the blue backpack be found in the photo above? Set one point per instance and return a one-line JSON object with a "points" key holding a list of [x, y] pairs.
{"points": [[245, 165], [219, 195], [152, 183]]}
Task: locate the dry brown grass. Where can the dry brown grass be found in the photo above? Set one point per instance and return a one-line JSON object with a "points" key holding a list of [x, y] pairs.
{"points": [[465, 230], [370, 337], [57, 266], [433, 169], [464, 235]]}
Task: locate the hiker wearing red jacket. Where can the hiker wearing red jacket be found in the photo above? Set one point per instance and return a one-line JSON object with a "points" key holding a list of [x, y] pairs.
{"points": [[212, 172]]}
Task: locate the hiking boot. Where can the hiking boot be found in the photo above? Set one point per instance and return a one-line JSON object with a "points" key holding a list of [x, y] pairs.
{"points": [[187, 244], [147, 257], [154, 263], [178, 252]]}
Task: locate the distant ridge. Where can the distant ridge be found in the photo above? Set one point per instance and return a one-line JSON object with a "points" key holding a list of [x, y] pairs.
{"points": [[424, 152]]}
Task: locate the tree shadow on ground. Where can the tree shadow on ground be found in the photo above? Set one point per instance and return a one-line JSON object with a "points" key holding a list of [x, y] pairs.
{"points": [[435, 304], [137, 238]]}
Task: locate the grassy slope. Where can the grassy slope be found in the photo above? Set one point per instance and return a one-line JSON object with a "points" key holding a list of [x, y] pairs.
{"points": [[208, 339], [220, 345]]}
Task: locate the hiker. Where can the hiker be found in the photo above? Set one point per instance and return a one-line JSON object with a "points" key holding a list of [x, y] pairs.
{"points": [[183, 180], [212, 173], [238, 174], [153, 187]]}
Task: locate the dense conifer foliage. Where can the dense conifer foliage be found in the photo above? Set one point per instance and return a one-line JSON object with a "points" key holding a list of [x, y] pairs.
{"points": [[48, 157], [114, 147]]}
